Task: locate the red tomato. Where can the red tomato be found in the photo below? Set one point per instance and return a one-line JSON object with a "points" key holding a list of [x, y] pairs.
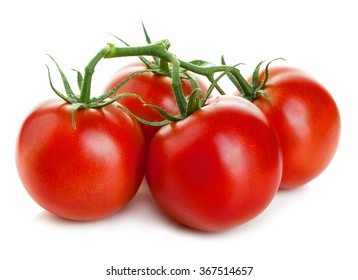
{"points": [[154, 89], [307, 121], [216, 169], [83, 173]]}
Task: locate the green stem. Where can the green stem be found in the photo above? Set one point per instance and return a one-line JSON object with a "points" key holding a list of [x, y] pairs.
{"points": [[155, 49], [177, 87], [160, 50], [210, 71], [85, 94]]}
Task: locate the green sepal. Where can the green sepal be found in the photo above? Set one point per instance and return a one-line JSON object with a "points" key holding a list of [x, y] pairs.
{"points": [[157, 61], [266, 71], [194, 102], [75, 107], [79, 79], [255, 76], [66, 84], [201, 63], [161, 123], [214, 83], [113, 90], [163, 113], [59, 94], [119, 39], [192, 79], [264, 94], [217, 86], [232, 78], [256, 85], [163, 68], [194, 98], [114, 99]]}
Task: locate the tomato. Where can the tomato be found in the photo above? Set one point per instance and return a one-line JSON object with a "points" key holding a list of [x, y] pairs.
{"points": [[307, 121], [83, 173], [216, 169], [154, 89]]}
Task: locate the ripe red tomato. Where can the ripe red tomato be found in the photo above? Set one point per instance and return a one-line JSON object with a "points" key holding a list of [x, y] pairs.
{"points": [[307, 121], [83, 173], [154, 89], [217, 168]]}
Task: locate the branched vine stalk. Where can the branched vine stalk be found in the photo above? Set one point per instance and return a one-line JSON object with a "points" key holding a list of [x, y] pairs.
{"points": [[160, 50], [168, 64]]}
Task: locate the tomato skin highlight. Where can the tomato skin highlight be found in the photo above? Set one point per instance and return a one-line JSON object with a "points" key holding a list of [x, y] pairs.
{"points": [[154, 89], [86, 173], [216, 169], [307, 121]]}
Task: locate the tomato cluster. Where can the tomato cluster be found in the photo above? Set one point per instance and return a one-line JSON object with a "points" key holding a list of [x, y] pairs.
{"points": [[210, 168]]}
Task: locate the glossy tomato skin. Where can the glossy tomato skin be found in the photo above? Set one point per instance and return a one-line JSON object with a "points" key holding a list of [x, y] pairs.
{"points": [[83, 173], [307, 121], [216, 169], [154, 89]]}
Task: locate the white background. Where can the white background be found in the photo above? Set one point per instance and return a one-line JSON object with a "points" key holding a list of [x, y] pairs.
{"points": [[308, 233]]}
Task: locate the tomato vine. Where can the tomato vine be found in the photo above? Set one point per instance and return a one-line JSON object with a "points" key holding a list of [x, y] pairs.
{"points": [[166, 63], [179, 69]]}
